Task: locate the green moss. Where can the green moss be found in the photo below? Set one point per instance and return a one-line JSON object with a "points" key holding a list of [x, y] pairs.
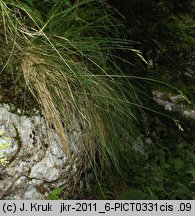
{"points": [[3, 145], [18, 139]]}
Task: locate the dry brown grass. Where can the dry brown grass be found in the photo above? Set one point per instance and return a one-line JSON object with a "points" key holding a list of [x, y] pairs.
{"points": [[36, 71]]}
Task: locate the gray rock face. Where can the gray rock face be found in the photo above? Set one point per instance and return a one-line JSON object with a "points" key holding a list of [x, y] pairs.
{"points": [[174, 103], [35, 167]]}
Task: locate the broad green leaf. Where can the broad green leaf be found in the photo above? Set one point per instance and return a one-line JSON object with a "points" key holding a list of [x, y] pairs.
{"points": [[179, 164]]}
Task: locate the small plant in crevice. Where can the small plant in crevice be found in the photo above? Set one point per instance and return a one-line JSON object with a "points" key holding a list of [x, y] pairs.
{"points": [[55, 194]]}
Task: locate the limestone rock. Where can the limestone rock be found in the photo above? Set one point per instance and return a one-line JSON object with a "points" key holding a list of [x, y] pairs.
{"points": [[174, 103], [35, 167]]}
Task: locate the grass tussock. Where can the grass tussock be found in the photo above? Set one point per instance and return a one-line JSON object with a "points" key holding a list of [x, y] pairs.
{"points": [[67, 54]]}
